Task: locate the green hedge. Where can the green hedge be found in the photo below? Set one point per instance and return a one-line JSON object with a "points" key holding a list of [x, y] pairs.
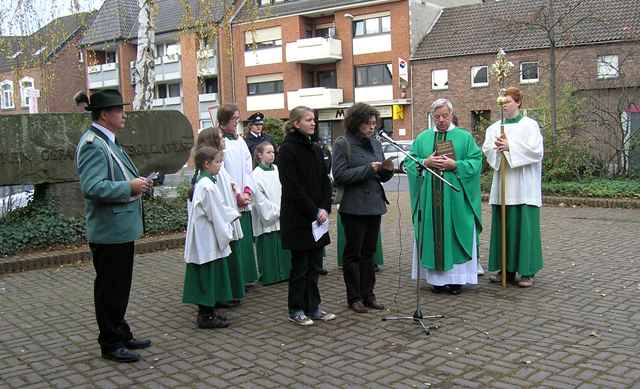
{"points": [[612, 188], [605, 188], [39, 226]]}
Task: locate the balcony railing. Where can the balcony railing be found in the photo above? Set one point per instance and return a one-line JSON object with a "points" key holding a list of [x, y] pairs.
{"points": [[315, 98], [103, 75], [314, 50]]}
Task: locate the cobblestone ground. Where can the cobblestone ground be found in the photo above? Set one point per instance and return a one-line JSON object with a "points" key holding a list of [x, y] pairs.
{"points": [[578, 327]]}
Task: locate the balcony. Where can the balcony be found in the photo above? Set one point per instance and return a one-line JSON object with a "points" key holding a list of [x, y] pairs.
{"points": [[265, 102], [315, 98], [263, 56], [373, 93], [206, 100], [167, 68], [207, 63], [103, 75], [314, 51], [167, 103], [371, 44]]}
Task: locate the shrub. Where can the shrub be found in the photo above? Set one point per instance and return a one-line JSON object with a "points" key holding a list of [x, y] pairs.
{"points": [[40, 226], [273, 127]]}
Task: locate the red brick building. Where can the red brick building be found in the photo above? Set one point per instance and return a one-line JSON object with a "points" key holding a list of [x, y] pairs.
{"points": [[599, 58], [49, 61]]}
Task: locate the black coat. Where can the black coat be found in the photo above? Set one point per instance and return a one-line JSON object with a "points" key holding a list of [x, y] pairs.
{"points": [[305, 190], [363, 191], [252, 141]]}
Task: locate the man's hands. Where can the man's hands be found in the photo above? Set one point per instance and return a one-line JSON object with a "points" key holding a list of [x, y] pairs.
{"points": [[140, 185], [440, 162], [502, 144], [322, 216], [387, 164]]}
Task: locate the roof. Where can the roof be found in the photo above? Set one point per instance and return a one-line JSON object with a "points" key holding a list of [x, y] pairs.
{"points": [[113, 22], [118, 19], [42, 44], [291, 7], [485, 28]]}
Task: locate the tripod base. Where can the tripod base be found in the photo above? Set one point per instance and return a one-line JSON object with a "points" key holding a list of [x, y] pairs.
{"points": [[418, 319]]}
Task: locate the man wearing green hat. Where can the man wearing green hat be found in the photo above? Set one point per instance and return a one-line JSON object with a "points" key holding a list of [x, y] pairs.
{"points": [[113, 212]]}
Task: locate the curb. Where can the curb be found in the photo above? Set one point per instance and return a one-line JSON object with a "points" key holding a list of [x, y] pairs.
{"points": [[47, 259]]}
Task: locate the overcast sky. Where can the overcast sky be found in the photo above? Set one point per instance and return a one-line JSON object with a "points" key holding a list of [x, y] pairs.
{"points": [[33, 14]]}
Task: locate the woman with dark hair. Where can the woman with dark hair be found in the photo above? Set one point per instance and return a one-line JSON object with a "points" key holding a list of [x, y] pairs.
{"points": [[306, 198], [360, 168]]}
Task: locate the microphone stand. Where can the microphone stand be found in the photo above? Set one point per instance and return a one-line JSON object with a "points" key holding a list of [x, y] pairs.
{"points": [[417, 317]]}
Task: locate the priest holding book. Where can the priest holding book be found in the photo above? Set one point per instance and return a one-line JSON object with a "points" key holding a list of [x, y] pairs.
{"points": [[451, 221]]}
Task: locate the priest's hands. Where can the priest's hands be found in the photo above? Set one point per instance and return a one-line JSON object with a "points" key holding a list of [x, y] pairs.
{"points": [[322, 216], [440, 162], [502, 144]]}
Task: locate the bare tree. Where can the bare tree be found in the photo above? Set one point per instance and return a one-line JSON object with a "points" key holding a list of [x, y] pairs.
{"points": [[557, 21], [144, 74]]}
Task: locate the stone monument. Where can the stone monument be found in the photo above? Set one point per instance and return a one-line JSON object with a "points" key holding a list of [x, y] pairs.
{"points": [[39, 149]]}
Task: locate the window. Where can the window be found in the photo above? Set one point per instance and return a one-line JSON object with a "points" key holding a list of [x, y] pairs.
{"points": [[206, 123], [387, 125], [373, 25], [25, 84], [209, 85], [265, 88], [269, 2], [163, 49], [325, 32], [479, 76], [164, 91], [110, 57], [373, 75], [265, 38], [608, 66], [80, 57], [528, 72], [327, 79], [6, 100], [440, 79]]}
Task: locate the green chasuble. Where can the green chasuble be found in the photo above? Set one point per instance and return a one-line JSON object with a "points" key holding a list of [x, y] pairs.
{"points": [[452, 238]]}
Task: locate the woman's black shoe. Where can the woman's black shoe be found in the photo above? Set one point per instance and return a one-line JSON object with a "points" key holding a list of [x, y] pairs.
{"points": [[121, 355]]}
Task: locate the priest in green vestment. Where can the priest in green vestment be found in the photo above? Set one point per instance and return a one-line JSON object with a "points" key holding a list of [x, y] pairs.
{"points": [[451, 221]]}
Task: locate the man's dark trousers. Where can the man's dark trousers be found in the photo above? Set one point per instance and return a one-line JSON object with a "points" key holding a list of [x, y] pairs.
{"points": [[361, 235], [114, 270]]}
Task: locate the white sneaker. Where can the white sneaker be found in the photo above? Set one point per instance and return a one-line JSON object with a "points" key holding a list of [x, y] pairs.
{"points": [[300, 318]]}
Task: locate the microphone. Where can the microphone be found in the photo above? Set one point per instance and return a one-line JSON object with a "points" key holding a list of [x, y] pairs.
{"points": [[381, 133]]}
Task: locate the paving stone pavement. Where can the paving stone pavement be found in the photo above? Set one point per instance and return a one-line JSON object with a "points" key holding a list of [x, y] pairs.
{"points": [[578, 327]]}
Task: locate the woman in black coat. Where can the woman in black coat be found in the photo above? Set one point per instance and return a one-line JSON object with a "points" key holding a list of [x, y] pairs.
{"points": [[306, 197], [360, 168]]}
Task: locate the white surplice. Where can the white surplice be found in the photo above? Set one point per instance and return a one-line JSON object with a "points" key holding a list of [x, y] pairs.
{"points": [[223, 183], [239, 164], [460, 274], [524, 159], [265, 213], [209, 230]]}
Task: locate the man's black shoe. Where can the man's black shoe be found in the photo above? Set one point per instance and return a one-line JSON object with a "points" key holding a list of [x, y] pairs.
{"points": [[437, 289], [122, 355], [323, 272], [135, 344]]}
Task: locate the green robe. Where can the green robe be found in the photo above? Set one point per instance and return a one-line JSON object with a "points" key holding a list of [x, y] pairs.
{"points": [[461, 210]]}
